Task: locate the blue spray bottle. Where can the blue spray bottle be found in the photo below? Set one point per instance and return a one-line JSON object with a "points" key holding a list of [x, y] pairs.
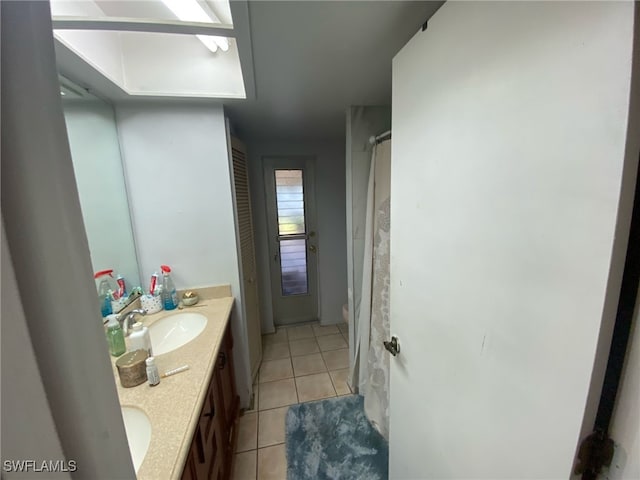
{"points": [[169, 294]]}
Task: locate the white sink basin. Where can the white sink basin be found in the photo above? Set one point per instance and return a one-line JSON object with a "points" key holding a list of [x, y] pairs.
{"points": [[176, 330], [138, 428]]}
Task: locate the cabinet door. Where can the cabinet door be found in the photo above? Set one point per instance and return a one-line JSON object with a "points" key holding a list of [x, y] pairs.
{"points": [[229, 403], [208, 415], [213, 441], [189, 472], [227, 385], [202, 460]]}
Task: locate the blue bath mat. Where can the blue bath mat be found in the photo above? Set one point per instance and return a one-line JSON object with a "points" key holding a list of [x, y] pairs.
{"points": [[332, 439]]}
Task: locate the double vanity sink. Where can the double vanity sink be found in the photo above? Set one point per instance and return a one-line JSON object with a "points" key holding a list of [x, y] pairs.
{"points": [[160, 421], [167, 334]]}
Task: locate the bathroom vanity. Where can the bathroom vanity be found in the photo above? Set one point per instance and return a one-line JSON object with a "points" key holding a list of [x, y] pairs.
{"points": [[192, 415], [212, 443]]}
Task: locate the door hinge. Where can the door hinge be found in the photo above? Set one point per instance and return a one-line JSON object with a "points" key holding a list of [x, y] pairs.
{"points": [[595, 452]]}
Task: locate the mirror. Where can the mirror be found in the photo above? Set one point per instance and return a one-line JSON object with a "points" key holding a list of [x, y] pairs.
{"points": [[97, 163]]}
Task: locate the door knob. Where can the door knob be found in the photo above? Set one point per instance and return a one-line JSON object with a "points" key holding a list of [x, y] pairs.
{"points": [[312, 248], [393, 346]]}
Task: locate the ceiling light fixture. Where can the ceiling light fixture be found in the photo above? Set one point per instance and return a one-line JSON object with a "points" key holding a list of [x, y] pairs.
{"points": [[192, 11]]}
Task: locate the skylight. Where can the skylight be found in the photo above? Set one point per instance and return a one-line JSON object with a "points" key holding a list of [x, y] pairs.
{"points": [[216, 11], [155, 47]]}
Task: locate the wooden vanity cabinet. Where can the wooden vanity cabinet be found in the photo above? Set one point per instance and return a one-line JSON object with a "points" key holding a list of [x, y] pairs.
{"points": [[229, 399], [213, 442]]}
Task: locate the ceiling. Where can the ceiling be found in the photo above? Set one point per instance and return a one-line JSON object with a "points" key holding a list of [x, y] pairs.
{"points": [[311, 61], [314, 59]]}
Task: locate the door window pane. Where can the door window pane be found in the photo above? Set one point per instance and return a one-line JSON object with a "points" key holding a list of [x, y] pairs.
{"points": [[293, 265], [290, 201]]}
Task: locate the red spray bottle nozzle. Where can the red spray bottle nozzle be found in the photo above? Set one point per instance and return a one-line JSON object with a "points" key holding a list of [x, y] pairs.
{"points": [[165, 268], [102, 273]]}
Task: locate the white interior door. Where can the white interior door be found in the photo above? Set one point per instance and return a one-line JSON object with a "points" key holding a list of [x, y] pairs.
{"points": [[509, 128], [290, 194]]}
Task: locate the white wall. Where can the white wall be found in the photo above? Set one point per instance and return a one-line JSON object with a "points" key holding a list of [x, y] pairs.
{"points": [[175, 161], [95, 151], [177, 172], [625, 425], [330, 207]]}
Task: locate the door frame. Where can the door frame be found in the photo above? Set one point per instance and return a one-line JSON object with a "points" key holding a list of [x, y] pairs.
{"points": [[270, 163]]}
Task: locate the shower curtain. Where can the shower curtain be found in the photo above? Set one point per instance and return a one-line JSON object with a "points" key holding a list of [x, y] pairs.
{"points": [[373, 321]]}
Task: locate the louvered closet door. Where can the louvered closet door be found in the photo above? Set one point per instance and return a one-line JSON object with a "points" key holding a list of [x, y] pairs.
{"points": [[247, 252]]}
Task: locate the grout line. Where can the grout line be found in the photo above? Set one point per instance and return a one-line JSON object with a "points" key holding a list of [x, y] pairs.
{"points": [[325, 364], [275, 408], [296, 385], [257, 441], [278, 379], [333, 383], [299, 339], [305, 355], [274, 381], [309, 374], [274, 445], [271, 445]]}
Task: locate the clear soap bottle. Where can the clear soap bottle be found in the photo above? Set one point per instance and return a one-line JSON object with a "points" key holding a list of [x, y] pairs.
{"points": [[115, 336]]}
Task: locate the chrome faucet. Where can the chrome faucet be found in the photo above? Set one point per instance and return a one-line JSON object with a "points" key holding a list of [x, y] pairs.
{"points": [[126, 321]]}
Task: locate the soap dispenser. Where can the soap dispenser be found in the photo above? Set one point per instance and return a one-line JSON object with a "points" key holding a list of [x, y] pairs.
{"points": [[169, 294], [115, 336], [140, 339]]}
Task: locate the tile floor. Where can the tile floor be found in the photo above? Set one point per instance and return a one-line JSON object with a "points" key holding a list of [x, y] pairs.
{"points": [[300, 363]]}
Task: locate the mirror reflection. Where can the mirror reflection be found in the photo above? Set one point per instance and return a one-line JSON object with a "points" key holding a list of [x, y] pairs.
{"points": [[97, 163]]}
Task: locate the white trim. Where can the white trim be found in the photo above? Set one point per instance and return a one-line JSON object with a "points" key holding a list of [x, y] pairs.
{"points": [[121, 24]]}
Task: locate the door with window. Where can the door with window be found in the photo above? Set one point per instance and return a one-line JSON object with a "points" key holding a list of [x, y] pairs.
{"points": [[289, 187]]}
